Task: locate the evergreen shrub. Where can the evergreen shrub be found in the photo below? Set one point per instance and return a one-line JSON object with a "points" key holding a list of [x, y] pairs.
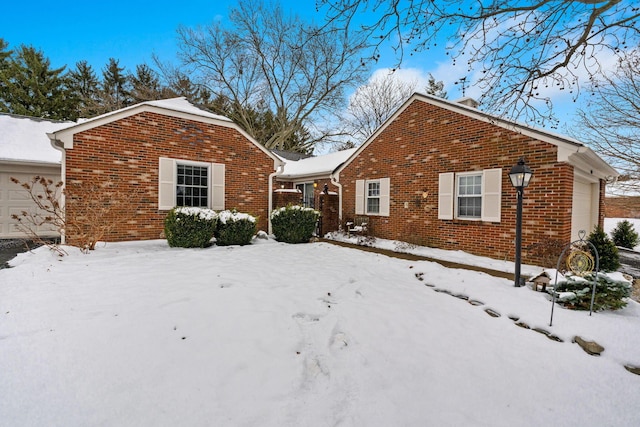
{"points": [[625, 235], [294, 224], [188, 227], [234, 228], [607, 250], [575, 292]]}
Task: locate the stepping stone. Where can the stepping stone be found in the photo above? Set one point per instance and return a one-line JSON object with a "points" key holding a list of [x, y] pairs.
{"points": [[462, 296], [633, 369], [555, 338], [475, 302], [492, 313], [591, 347], [523, 325], [443, 291], [541, 331], [513, 317], [430, 285]]}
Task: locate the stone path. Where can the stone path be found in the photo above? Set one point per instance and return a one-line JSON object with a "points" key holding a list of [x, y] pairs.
{"points": [[590, 347]]}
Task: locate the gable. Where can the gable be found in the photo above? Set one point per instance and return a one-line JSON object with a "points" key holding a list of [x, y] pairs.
{"points": [[421, 110]]}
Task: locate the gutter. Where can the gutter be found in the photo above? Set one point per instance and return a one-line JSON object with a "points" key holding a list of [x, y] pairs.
{"points": [[59, 145], [279, 170]]}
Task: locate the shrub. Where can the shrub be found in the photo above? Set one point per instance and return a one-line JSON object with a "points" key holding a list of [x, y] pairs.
{"points": [[576, 292], [624, 235], [186, 227], [607, 250], [234, 228], [294, 224]]}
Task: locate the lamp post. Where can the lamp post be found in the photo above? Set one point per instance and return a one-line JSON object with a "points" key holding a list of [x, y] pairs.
{"points": [[520, 176]]}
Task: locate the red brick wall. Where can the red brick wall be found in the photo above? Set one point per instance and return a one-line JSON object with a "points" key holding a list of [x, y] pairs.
{"points": [[622, 207], [426, 140], [126, 152]]}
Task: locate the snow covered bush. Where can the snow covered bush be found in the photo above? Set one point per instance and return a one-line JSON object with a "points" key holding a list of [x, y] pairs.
{"points": [[234, 228], [575, 292], [187, 227], [625, 235], [294, 224]]}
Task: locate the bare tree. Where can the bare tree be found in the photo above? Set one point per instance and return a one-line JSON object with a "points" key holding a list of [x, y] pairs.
{"points": [[269, 61], [518, 49], [373, 103], [611, 123]]}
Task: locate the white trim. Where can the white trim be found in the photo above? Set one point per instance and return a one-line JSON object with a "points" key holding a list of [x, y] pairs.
{"points": [[457, 196]]}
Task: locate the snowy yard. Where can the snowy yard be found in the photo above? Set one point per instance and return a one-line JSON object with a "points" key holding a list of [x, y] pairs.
{"points": [[140, 334]]}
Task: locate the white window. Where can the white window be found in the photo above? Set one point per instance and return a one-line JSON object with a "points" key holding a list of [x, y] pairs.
{"points": [[373, 196], [188, 183], [470, 195]]}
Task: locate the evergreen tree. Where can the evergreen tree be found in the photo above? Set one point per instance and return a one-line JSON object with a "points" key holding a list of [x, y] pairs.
{"points": [[625, 235], [86, 87], [5, 53], [607, 250], [435, 88], [115, 88], [31, 87], [145, 84]]}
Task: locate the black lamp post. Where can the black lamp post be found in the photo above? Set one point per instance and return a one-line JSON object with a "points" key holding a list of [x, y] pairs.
{"points": [[520, 176]]}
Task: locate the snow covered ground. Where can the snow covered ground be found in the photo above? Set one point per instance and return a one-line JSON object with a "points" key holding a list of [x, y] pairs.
{"points": [[270, 334]]}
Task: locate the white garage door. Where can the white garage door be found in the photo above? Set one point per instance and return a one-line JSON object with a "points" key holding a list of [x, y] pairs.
{"points": [[14, 199], [584, 213]]}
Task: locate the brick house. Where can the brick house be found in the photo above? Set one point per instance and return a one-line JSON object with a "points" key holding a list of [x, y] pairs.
{"points": [[169, 153], [623, 199], [308, 176], [436, 174]]}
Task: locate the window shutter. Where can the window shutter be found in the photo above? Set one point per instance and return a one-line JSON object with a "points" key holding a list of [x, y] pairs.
{"points": [[385, 190], [166, 184], [491, 194], [360, 197], [217, 186], [445, 195]]}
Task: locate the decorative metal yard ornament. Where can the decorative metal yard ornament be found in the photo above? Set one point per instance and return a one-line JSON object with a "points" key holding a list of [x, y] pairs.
{"points": [[520, 176], [579, 262]]}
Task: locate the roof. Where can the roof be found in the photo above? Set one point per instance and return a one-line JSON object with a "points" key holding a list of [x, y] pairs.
{"points": [[173, 107], [570, 150], [24, 139], [315, 166]]}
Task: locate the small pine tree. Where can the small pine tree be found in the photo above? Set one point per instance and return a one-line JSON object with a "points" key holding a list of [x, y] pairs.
{"points": [[625, 235], [607, 250]]}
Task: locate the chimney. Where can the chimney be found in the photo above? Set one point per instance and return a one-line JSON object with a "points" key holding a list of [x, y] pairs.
{"points": [[469, 102]]}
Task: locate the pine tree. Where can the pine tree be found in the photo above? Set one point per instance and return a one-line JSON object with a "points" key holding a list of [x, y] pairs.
{"points": [[115, 88], [625, 235], [145, 84], [435, 88], [5, 53], [607, 250], [31, 87], [86, 87]]}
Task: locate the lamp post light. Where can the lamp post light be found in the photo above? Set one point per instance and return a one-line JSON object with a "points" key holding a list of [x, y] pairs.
{"points": [[520, 176]]}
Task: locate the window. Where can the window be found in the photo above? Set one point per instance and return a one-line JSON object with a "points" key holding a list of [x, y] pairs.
{"points": [[192, 187], [469, 196], [373, 197], [189, 183], [308, 199]]}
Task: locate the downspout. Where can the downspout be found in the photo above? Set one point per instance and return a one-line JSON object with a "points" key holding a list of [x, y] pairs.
{"points": [[279, 170], [59, 145], [335, 181]]}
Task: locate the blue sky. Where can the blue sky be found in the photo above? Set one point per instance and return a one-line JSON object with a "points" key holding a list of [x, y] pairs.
{"points": [[132, 31]]}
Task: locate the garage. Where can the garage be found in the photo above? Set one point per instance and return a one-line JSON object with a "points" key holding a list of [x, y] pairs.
{"points": [[25, 151], [584, 210]]}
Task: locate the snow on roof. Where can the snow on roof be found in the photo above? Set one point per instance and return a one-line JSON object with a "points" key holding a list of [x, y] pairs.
{"points": [[24, 139], [320, 165], [179, 104]]}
